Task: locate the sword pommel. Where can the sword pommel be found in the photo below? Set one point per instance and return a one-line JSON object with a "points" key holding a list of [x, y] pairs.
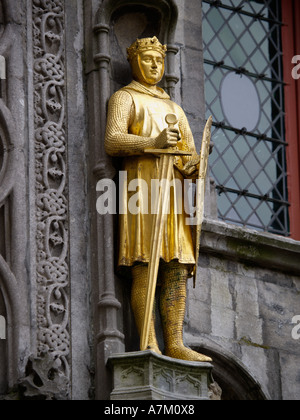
{"points": [[171, 120]]}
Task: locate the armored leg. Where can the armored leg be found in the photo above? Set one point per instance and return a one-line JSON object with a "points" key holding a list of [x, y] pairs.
{"points": [[138, 300], [173, 306]]}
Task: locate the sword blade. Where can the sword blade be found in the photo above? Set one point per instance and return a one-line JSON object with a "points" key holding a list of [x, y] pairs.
{"points": [[159, 219]]}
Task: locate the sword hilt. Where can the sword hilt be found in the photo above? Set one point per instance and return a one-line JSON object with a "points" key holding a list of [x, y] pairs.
{"points": [[171, 120]]}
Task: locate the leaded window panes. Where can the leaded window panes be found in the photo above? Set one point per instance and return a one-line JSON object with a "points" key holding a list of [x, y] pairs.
{"points": [[244, 93]]}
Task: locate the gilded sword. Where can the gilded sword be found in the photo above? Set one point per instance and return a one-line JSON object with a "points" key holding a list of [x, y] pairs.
{"points": [[166, 164]]}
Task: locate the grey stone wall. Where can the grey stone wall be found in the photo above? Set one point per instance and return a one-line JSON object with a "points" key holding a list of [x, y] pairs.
{"points": [[243, 306], [43, 201], [14, 208]]}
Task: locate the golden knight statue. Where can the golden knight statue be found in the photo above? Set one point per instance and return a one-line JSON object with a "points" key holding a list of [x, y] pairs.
{"points": [[138, 130]]}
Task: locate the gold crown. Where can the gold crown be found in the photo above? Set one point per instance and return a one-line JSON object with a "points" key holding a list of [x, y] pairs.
{"points": [[145, 44]]}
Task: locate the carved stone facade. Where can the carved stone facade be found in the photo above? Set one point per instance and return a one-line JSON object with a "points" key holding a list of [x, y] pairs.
{"points": [[35, 200], [148, 376], [66, 311], [52, 259], [13, 199]]}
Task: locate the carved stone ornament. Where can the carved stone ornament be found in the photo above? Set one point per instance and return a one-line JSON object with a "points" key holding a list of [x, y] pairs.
{"points": [[148, 375], [44, 381], [51, 190]]}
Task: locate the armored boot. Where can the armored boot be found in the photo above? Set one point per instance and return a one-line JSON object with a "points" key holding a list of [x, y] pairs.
{"points": [[172, 307], [138, 301]]}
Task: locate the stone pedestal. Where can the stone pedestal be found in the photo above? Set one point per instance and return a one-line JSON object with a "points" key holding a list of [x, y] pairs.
{"points": [[148, 376]]}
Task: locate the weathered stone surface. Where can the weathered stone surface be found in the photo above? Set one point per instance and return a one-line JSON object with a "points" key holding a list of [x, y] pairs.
{"points": [[72, 303], [148, 376], [44, 380], [247, 300]]}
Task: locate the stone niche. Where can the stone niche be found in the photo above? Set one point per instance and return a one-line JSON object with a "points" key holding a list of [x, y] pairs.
{"points": [[116, 25], [3, 347], [127, 24]]}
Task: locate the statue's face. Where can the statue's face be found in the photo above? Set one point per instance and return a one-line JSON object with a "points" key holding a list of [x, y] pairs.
{"points": [[151, 66]]}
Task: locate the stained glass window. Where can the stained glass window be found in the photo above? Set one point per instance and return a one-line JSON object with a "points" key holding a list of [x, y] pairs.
{"points": [[245, 96]]}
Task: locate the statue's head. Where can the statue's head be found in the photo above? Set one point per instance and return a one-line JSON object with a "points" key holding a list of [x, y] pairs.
{"points": [[147, 59]]}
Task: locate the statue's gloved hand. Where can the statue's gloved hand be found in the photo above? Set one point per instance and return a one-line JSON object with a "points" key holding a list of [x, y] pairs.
{"points": [[168, 138], [191, 166]]}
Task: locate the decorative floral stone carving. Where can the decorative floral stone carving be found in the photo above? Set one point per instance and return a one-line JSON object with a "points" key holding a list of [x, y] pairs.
{"points": [[51, 189]]}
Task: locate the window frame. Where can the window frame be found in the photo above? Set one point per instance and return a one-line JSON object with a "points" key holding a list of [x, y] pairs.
{"points": [[221, 64], [290, 48]]}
